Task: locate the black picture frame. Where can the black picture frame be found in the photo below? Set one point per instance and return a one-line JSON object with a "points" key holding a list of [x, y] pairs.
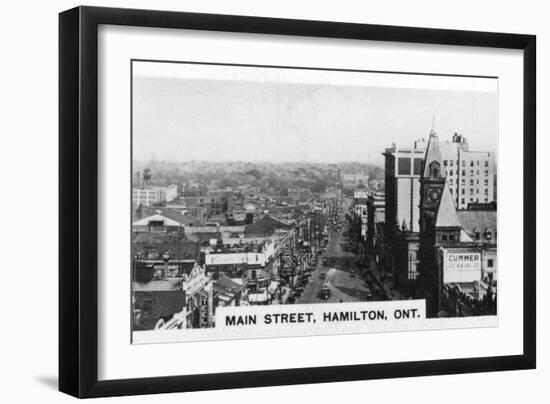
{"points": [[78, 196]]}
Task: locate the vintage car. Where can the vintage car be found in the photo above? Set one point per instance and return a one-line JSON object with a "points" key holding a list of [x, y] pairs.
{"points": [[325, 292]]}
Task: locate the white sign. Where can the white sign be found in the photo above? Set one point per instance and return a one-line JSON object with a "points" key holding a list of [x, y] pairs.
{"points": [[462, 267], [235, 258], [285, 319]]}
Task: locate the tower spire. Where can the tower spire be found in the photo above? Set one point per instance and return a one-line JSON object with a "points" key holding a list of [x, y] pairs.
{"points": [[432, 131], [432, 155]]}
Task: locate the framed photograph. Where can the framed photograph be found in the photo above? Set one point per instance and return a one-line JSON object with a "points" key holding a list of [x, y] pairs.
{"points": [[251, 201]]}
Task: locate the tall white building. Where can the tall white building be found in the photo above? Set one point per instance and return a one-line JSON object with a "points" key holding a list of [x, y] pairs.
{"points": [[403, 168], [470, 174]]}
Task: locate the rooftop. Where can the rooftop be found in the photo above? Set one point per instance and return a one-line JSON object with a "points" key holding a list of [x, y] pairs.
{"points": [[226, 285], [162, 243], [156, 218], [480, 222], [173, 214], [446, 214], [266, 225]]}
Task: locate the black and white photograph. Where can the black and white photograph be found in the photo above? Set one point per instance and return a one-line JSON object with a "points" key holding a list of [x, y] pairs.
{"points": [[275, 202], [282, 200]]}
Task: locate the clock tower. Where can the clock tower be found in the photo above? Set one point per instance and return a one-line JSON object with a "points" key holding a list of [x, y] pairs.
{"points": [[432, 187], [432, 184]]}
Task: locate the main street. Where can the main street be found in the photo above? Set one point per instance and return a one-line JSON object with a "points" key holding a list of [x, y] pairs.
{"points": [[341, 270]]}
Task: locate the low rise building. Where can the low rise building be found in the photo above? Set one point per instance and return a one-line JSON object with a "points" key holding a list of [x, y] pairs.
{"points": [[156, 302], [152, 195], [228, 291], [167, 252], [215, 202], [360, 201], [172, 214], [375, 217], [156, 223], [225, 258], [185, 301]]}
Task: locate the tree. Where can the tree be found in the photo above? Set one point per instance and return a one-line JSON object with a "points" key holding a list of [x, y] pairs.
{"points": [[255, 173]]}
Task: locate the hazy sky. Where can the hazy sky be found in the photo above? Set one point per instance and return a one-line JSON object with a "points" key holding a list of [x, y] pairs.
{"points": [[255, 118]]}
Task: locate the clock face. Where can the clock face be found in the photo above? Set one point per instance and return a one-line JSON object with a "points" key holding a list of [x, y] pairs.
{"points": [[434, 194]]}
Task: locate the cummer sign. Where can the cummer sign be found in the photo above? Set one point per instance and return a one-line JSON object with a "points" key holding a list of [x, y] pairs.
{"points": [[462, 267], [466, 261]]}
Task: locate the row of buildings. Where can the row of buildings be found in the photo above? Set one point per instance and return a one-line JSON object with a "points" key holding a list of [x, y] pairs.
{"points": [[434, 230], [184, 268]]}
